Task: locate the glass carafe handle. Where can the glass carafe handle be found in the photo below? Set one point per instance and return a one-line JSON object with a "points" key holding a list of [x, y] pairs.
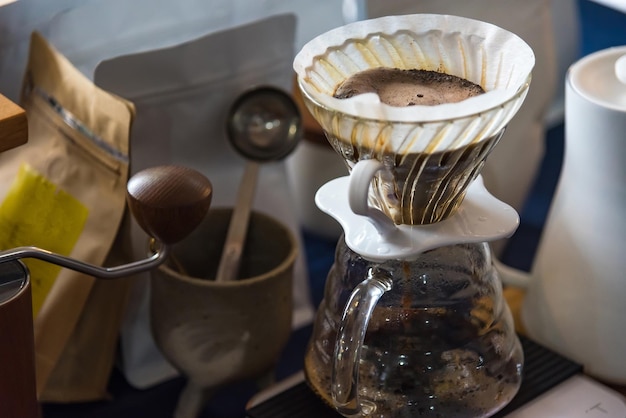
{"points": [[356, 316]]}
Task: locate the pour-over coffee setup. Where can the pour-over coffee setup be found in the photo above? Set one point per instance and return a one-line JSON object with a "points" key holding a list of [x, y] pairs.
{"points": [[413, 322]]}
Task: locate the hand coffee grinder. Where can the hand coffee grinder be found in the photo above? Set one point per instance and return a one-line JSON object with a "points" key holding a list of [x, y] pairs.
{"points": [[413, 322], [168, 202]]}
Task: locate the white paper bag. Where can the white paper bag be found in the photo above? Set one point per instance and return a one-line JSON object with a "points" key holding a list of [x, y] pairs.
{"points": [[182, 95]]}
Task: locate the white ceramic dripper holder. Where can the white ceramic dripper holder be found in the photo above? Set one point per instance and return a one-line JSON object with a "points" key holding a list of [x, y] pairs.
{"points": [[480, 218]]}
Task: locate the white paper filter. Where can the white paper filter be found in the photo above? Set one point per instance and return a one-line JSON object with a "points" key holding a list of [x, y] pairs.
{"points": [[480, 52]]}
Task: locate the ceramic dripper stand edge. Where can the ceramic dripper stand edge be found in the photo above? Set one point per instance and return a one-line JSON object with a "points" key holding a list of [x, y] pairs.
{"points": [[168, 202]]}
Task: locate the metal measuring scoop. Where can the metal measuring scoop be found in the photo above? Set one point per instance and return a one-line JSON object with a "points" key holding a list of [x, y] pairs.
{"points": [[264, 124], [168, 202]]}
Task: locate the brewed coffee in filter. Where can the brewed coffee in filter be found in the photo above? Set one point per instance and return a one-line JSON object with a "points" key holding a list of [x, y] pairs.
{"points": [[431, 153]]}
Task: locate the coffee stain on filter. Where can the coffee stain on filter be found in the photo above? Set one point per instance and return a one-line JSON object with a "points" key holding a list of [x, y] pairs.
{"points": [[35, 212]]}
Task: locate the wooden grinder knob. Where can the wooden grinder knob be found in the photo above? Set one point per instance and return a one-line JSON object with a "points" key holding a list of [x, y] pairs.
{"points": [[169, 201]]}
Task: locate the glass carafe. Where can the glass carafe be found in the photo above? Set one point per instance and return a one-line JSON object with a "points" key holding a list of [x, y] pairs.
{"points": [[440, 340]]}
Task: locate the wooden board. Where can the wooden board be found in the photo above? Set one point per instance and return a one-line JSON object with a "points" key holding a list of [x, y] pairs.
{"points": [[13, 125]]}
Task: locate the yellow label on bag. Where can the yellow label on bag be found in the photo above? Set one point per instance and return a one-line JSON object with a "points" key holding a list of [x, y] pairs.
{"points": [[35, 212]]}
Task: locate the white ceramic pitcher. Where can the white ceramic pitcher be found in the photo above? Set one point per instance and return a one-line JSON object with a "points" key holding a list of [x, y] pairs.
{"points": [[576, 295]]}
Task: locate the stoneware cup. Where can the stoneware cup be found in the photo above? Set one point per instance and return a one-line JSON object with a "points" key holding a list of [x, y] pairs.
{"points": [[218, 333]]}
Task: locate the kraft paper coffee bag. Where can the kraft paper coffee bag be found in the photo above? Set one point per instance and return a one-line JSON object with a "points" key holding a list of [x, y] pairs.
{"points": [[64, 191]]}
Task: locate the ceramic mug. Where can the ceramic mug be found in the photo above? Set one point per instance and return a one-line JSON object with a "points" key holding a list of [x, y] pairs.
{"points": [[217, 333]]}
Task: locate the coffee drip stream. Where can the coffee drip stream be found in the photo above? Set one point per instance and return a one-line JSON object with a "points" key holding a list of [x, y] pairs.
{"points": [[413, 321]]}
